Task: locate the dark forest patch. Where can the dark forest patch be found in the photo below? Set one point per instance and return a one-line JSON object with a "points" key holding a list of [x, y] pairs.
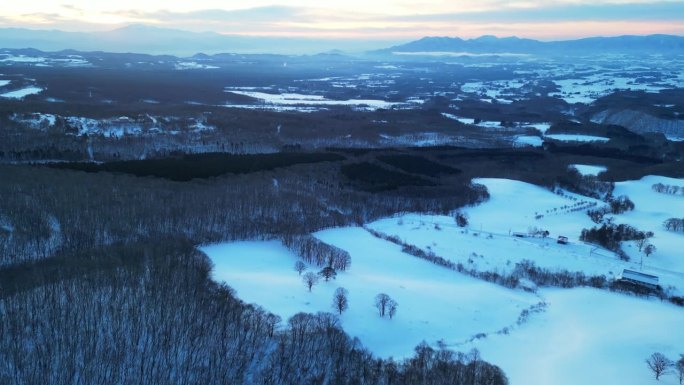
{"points": [[375, 178], [201, 166], [418, 165]]}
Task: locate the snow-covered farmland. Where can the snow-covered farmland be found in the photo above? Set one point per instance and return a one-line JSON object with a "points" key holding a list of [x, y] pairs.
{"points": [[528, 140], [582, 335], [577, 138], [293, 99], [651, 210], [192, 65], [489, 242], [22, 93], [588, 337], [434, 303], [587, 90]]}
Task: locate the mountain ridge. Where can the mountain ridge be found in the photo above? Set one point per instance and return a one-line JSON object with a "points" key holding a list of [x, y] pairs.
{"points": [[488, 44]]}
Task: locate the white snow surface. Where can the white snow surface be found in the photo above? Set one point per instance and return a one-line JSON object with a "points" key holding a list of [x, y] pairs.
{"points": [[587, 169], [434, 303], [651, 210], [4, 82], [584, 336], [290, 99], [488, 244], [528, 140], [589, 337], [578, 138], [192, 65], [22, 93]]}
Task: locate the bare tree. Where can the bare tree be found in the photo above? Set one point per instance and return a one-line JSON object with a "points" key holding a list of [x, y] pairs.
{"points": [[659, 364], [649, 249], [310, 279], [299, 267], [392, 308], [641, 243], [327, 273], [340, 300], [680, 369], [381, 302]]}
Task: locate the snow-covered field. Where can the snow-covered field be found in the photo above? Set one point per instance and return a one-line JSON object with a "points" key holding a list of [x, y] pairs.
{"points": [[293, 99], [528, 140], [489, 244], [577, 138], [22, 93], [652, 209], [582, 336], [434, 303], [587, 90], [588, 337], [587, 169], [193, 65]]}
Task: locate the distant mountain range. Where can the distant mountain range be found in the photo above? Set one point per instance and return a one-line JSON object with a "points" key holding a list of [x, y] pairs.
{"points": [[165, 41], [651, 44], [154, 40]]}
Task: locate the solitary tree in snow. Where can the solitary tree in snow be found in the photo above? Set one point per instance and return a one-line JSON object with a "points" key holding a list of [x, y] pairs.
{"points": [[392, 308], [310, 279], [381, 302], [658, 364], [649, 249], [327, 273], [299, 267], [340, 301], [461, 219]]}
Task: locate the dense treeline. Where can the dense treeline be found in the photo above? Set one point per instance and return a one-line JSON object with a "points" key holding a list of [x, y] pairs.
{"points": [[45, 210], [374, 178], [194, 166], [417, 165], [318, 253], [151, 315]]}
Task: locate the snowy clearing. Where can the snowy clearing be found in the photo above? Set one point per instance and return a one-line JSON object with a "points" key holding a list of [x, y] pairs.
{"points": [[528, 140], [589, 337], [434, 303], [194, 66], [652, 209], [22, 93], [577, 138], [586, 169], [289, 99]]}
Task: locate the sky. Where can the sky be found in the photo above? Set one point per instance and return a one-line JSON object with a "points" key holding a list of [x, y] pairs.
{"points": [[358, 19]]}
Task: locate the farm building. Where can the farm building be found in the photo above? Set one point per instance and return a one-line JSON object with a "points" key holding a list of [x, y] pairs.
{"points": [[647, 280]]}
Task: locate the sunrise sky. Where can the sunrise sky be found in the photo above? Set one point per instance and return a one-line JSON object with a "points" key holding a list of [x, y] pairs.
{"points": [[374, 19]]}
